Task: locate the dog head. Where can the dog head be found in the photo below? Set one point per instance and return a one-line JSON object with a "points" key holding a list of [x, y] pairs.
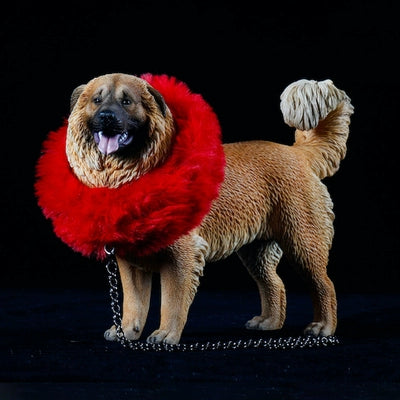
{"points": [[119, 128]]}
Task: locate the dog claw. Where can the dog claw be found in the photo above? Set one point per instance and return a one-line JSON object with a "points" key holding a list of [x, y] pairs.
{"points": [[151, 340]]}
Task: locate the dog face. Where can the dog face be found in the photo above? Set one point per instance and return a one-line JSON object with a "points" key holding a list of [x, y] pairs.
{"points": [[119, 128]]}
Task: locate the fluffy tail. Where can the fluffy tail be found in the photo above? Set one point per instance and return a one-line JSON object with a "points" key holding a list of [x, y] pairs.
{"points": [[320, 112]]}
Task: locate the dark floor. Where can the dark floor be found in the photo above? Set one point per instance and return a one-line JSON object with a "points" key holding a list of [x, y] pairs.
{"points": [[52, 347]]}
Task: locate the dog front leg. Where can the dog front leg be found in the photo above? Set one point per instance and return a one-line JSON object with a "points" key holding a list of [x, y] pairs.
{"points": [[136, 287], [180, 279]]}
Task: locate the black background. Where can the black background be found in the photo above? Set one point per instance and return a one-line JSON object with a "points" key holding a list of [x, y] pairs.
{"points": [[54, 304], [240, 57]]}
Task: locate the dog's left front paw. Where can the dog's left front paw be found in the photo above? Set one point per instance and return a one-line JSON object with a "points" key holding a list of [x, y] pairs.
{"points": [[163, 336], [264, 324]]}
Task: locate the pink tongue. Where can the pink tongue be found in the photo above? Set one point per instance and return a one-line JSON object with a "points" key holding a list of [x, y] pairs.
{"points": [[108, 145]]}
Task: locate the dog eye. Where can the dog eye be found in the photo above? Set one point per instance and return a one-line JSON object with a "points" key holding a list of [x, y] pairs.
{"points": [[97, 100], [126, 102]]}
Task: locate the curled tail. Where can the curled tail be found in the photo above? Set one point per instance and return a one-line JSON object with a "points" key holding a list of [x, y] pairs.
{"points": [[320, 112]]}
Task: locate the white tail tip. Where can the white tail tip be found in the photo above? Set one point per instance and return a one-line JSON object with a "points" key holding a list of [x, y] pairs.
{"points": [[304, 103]]}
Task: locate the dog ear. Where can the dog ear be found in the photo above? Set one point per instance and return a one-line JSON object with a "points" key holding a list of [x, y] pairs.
{"points": [[75, 95], [158, 98]]}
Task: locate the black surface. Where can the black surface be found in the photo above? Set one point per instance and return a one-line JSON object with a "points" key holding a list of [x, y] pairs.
{"points": [[52, 346]]}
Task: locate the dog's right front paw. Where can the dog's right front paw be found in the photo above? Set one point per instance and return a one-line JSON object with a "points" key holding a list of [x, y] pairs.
{"points": [[111, 334], [130, 334]]}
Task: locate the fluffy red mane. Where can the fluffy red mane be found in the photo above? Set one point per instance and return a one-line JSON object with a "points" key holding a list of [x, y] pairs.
{"points": [[150, 213]]}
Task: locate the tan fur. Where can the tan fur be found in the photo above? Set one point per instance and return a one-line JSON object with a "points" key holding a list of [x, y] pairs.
{"points": [[271, 202]]}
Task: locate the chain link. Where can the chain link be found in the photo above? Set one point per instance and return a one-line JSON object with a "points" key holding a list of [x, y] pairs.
{"points": [[270, 344]]}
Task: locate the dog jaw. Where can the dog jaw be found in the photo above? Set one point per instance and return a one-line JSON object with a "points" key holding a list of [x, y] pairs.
{"points": [[113, 127]]}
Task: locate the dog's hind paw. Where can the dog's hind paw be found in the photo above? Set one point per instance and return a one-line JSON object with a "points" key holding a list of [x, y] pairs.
{"points": [[318, 329], [264, 324]]}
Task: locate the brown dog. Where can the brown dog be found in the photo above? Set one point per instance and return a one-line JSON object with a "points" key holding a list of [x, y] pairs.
{"points": [[271, 201]]}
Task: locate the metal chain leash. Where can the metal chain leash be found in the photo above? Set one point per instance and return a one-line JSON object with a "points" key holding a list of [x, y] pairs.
{"points": [[270, 344]]}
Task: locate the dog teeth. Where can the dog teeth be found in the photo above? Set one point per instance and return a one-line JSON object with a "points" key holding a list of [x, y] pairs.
{"points": [[97, 136], [123, 137], [110, 144]]}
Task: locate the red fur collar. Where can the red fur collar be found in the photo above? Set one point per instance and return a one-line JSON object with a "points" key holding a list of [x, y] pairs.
{"points": [[149, 214]]}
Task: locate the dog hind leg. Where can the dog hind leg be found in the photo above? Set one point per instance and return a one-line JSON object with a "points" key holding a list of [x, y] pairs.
{"points": [[323, 298], [261, 260], [308, 246]]}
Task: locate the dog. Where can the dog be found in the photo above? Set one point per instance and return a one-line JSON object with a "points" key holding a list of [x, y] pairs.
{"points": [[271, 200]]}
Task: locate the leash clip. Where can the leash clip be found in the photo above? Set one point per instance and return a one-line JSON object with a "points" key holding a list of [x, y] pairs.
{"points": [[109, 252]]}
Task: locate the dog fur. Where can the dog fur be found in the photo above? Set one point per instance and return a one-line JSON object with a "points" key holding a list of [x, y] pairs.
{"points": [[272, 201]]}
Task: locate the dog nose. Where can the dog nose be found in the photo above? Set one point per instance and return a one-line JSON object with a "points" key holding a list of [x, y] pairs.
{"points": [[107, 117]]}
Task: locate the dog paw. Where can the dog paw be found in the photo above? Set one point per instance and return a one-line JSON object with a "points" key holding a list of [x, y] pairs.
{"points": [[318, 329], [263, 324], [111, 334], [163, 336], [129, 333]]}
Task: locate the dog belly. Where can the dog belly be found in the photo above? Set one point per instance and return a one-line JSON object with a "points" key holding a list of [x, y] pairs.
{"points": [[239, 215], [221, 245], [233, 221]]}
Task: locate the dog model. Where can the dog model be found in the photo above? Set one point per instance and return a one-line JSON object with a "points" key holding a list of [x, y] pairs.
{"points": [[269, 198]]}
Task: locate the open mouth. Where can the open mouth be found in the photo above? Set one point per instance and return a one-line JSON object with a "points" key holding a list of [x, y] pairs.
{"points": [[108, 144]]}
